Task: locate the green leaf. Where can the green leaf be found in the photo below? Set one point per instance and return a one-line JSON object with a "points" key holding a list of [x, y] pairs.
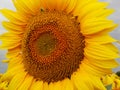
{"points": [[118, 73], [109, 87]]}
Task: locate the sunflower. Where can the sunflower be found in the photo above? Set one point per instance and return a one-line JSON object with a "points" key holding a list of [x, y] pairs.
{"points": [[111, 80], [58, 45]]}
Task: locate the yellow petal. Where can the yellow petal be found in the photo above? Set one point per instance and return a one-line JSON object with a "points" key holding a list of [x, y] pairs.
{"points": [[92, 69], [114, 76], [12, 72], [97, 83], [108, 30], [14, 17], [85, 81], [17, 80], [16, 61], [61, 5], [72, 5], [13, 27], [112, 47], [100, 52], [95, 25], [117, 82], [37, 4], [12, 53], [103, 63], [1, 75], [98, 38], [81, 4], [30, 5], [55, 86], [55, 5], [49, 4], [107, 80], [21, 7], [98, 13], [5, 61], [45, 86], [26, 83], [3, 85], [67, 84], [37, 85], [93, 6], [10, 40], [80, 81]]}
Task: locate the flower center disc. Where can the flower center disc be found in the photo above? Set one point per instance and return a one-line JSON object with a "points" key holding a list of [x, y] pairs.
{"points": [[46, 43], [52, 46]]}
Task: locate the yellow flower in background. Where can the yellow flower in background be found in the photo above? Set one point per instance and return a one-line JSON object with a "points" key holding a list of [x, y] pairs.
{"points": [[112, 80], [3, 85], [58, 45]]}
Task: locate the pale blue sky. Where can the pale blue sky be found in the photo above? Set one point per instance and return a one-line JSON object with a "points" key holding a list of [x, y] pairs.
{"points": [[115, 4]]}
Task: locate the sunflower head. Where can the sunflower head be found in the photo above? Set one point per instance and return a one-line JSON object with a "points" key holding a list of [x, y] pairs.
{"points": [[52, 43], [58, 44]]}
